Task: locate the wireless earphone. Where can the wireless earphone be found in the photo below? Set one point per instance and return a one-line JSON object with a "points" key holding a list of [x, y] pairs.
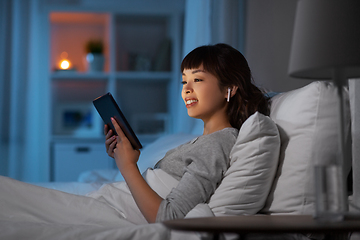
{"points": [[228, 97]]}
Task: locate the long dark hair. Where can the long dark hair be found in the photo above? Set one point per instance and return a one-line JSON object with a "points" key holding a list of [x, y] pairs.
{"points": [[231, 69]]}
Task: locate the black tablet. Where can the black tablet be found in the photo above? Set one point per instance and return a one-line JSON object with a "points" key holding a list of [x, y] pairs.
{"points": [[108, 108]]}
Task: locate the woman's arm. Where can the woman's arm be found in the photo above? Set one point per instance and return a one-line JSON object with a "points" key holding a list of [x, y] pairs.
{"points": [[205, 160], [126, 159]]}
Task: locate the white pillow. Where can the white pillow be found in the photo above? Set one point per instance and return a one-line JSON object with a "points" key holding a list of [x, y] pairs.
{"points": [[253, 163], [307, 119]]}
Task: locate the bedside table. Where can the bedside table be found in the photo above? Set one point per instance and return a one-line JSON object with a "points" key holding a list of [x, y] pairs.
{"points": [[275, 224]]}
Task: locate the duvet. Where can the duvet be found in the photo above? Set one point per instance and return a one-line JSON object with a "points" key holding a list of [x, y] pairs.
{"points": [[33, 212]]}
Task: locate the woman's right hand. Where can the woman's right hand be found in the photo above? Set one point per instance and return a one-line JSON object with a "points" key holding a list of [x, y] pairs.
{"points": [[110, 140]]}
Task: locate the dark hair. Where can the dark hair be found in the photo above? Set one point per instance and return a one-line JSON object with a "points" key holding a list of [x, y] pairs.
{"points": [[231, 69]]}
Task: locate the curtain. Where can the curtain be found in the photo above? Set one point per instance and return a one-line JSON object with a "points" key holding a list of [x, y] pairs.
{"points": [[209, 22], [24, 131], [4, 85]]}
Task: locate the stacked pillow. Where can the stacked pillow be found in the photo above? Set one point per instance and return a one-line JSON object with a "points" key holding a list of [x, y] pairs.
{"points": [[308, 120], [253, 163]]}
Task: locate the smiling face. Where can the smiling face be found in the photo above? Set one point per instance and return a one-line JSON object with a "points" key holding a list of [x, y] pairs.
{"points": [[202, 95]]}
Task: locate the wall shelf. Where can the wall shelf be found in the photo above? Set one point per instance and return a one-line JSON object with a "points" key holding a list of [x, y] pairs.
{"points": [[140, 51], [79, 76], [132, 43]]}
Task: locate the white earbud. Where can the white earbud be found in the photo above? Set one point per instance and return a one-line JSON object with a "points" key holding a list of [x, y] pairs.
{"points": [[228, 97]]}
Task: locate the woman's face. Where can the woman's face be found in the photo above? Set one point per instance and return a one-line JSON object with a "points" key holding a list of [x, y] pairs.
{"points": [[202, 95]]}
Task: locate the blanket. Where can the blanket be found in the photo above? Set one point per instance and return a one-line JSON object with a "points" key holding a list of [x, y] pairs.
{"points": [[33, 212], [46, 231]]}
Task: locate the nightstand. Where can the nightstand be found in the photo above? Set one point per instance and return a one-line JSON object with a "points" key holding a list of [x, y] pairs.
{"points": [[265, 224]]}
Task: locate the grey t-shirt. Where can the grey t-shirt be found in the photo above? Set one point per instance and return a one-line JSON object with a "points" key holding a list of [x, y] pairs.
{"points": [[199, 165]]}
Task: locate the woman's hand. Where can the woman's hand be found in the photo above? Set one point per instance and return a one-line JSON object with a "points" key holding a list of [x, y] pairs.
{"points": [[110, 140], [124, 154], [126, 158]]}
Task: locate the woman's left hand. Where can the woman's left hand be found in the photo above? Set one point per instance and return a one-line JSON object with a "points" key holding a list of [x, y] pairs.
{"points": [[125, 155]]}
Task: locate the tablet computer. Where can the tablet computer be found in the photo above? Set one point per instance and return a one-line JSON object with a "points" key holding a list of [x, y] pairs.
{"points": [[108, 108]]}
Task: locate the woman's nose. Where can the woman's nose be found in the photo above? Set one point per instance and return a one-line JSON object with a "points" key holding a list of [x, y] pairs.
{"points": [[187, 88], [187, 91]]}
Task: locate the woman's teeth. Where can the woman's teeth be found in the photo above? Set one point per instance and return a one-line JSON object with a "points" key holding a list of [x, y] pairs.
{"points": [[191, 101]]}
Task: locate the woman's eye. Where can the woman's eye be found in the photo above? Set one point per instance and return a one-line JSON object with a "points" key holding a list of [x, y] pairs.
{"points": [[197, 80], [183, 82]]}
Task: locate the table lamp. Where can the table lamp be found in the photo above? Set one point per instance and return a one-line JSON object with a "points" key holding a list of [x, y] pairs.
{"points": [[326, 46]]}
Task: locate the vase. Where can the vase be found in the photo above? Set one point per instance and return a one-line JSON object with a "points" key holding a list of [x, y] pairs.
{"points": [[95, 62]]}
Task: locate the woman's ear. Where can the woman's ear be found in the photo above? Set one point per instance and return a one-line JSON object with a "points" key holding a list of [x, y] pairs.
{"points": [[233, 90]]}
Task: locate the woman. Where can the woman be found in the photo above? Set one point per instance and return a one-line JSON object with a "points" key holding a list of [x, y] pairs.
{"points": [[217, 89]]}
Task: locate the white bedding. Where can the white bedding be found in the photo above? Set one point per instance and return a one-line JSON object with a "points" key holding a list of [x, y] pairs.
{"points": [[46, 231], [34, 212], [253, 141], [48, 211]]}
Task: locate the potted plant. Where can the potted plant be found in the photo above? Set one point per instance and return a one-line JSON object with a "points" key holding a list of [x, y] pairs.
{"points": [[94, 55]]}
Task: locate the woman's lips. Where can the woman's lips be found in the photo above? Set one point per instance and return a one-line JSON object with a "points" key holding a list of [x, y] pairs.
{"points": [[190, 102]]}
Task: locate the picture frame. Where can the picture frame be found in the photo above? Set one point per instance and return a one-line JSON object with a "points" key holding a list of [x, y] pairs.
{"points": [[77, 120]]}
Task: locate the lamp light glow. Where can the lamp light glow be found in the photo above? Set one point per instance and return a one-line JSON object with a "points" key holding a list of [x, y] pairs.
{"points": [[65, 64]]}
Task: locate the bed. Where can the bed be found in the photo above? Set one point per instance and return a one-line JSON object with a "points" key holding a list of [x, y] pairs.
{"points": [[300, 132]]}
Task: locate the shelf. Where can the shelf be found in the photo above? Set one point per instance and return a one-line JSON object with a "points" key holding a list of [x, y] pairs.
{"points": [[119, 76], [71, 32], [72, 139], [146, 44], [64, 75], [142, 51], [143, 75], [138, 72]]}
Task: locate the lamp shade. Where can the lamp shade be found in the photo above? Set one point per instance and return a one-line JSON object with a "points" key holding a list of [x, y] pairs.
{"points": [[326, 37]]}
